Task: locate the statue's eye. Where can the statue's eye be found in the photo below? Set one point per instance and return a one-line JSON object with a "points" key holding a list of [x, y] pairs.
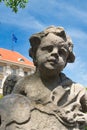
{"points": [[47, 48], [50, 48], [63, 51]]}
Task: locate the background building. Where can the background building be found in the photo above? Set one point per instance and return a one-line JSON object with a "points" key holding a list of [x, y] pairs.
{"points": [[12, 62]]}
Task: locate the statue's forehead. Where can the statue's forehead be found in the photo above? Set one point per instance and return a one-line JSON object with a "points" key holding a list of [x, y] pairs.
{"points": [[52, 39]]}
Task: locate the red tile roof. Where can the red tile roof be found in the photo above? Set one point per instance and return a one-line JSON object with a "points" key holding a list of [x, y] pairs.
{"points": [[13, 56]]}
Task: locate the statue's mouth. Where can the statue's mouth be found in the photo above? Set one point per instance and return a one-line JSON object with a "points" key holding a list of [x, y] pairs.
{"points": [[52, 61]]}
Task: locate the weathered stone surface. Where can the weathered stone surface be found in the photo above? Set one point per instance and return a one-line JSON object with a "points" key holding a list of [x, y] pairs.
{"points": [[47, 99]]}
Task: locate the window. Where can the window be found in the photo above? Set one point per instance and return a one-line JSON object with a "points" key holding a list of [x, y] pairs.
{"points": [[21, 59], [0, 55], [25, 73], [13, 71], [20, 72]]}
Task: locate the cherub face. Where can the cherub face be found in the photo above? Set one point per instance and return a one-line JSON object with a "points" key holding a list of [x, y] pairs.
{"points": [[52, 53]]}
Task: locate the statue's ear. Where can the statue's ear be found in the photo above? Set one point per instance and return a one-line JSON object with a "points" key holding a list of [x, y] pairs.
{"points": [[35, 40], [71, 58]]}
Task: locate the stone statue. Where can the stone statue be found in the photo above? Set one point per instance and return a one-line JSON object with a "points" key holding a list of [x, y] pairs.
{"points": [[9, 83], [47, 99]]}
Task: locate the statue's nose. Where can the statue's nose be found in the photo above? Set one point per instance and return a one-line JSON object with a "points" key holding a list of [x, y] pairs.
{"points": [[55, 52]]}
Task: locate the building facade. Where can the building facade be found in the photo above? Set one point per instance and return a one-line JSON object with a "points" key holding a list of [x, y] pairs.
{"points": [[12, 62]]}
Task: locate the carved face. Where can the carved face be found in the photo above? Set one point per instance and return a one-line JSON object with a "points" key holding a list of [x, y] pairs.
{"points": [[52, 53]]}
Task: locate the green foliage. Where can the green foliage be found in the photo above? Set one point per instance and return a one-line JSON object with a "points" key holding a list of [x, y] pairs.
{"points": [[86, 128], [1, 96], [15, 4]]}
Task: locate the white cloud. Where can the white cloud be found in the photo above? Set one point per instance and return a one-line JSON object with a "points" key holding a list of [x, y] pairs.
{"points": [[73, 10], [77, 33], [24, 22], [77, 71], [50, 8], [22, 19], [79, 38]]}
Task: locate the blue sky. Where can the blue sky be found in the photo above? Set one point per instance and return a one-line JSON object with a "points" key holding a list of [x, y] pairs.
{"points": [[39, 14]]}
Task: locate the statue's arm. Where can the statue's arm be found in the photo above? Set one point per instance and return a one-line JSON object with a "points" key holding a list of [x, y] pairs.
{"points": [[19, 88]]}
